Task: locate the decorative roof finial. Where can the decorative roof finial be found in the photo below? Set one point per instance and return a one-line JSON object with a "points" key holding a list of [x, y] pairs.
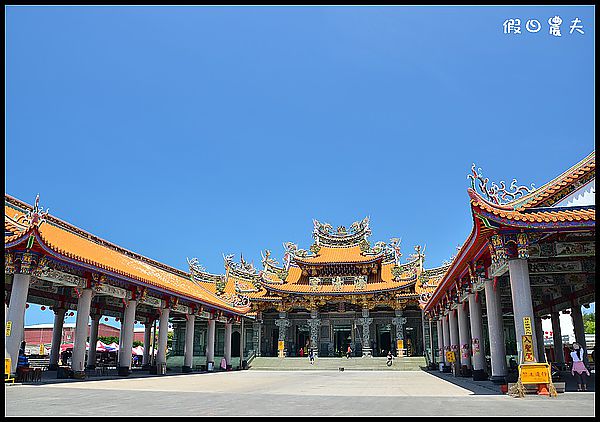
{"points": [[497, 195]]}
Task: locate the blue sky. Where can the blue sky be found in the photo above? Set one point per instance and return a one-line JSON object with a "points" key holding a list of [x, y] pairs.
{"points": [[196, 131]]}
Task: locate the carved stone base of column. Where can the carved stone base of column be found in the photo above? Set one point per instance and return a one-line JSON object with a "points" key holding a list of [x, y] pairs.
{"points": [[498, 379], [366, 351], [124, 371], [465, 371], [479, 375], [79, 375]]}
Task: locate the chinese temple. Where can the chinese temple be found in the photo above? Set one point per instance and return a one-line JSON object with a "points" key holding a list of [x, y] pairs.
{"points": [[343, 291], [530, 256], [52, 263]]}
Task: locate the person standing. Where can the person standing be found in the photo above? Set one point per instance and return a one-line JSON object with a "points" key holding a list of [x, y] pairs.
{"points": [[578, 370], [311, 356], [348, 352], [389, 358]]}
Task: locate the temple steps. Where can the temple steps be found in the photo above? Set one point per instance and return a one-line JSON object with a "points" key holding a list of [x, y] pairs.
{"points": [[334, 364]]}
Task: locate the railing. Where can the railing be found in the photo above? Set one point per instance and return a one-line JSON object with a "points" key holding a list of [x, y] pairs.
{"points": [[251, 357], [39, 363]]}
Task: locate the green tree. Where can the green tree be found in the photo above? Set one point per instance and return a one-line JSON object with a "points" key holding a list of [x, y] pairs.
{"points": [[589, 322], [109, 339]]}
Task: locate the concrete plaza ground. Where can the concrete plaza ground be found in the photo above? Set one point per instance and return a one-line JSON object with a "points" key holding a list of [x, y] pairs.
{"points": [[285, 393]]}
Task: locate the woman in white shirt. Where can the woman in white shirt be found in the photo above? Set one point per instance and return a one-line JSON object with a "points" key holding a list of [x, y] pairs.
{"points": [[578, 370]]}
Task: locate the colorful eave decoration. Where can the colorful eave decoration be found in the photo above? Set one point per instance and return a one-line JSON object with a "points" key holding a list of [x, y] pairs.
{"points": [[528, 210], [39, 232]]}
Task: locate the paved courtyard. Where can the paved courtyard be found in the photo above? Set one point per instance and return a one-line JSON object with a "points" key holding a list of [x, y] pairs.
{"points": [[289, 393]]}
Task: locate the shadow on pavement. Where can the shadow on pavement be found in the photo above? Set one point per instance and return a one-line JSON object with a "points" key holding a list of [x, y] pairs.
{"points": [[49, 377], [476, 387], [488, 387]]}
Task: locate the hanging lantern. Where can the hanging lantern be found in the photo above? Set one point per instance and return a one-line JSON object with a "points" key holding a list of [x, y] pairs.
{"points": [[116, 319], [135, 322], [105, 319], [43, 308], [26, 305]]}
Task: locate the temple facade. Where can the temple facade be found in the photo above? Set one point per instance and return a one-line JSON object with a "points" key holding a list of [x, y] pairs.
{"points": [[530, 256], [343, 291]]}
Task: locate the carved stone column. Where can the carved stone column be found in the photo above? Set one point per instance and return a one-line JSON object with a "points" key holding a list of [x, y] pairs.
{"points": [[440, 336], [365, 321], [91, 361], [59, 318], [282, 323], [188, 354], [81, 332], [559, 354], [520, 288], [399, 322], [446, 338], [16, 317], [256, 329], [495, 332], [314, 323]]}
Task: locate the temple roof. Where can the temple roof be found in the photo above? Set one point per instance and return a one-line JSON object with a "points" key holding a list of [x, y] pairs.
{"points": [[527, 209], [334, 255], [73, 245]]}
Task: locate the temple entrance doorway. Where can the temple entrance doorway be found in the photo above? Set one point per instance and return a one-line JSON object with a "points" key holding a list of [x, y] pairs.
{"points": [[302, 340], [384, 340], [235, 344], [342, 336]]}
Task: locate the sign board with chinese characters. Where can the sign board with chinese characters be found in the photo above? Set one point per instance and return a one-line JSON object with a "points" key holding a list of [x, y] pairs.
{"points": [[400, 344], [527, 326], [475, 348], [152, 301], [534, 373], [7, 363], [527, 343], [8, 328], [280, 345], [181, 309], [450, 357], [42, 350]]}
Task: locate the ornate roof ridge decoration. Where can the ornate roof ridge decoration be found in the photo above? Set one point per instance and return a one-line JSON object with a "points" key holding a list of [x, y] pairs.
{"points": [[199, 274], [495, 194], [493, 215], [50, 219], [414, 265], [269, 264], [447, 263], [292, 251], [242, 269], [33, 217], [324, 234], [562, 185], [237, 300], [54, 239]]}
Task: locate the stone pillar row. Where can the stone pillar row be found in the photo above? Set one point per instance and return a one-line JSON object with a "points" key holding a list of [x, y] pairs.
{"points": [[461, 330], [15, 314]]}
